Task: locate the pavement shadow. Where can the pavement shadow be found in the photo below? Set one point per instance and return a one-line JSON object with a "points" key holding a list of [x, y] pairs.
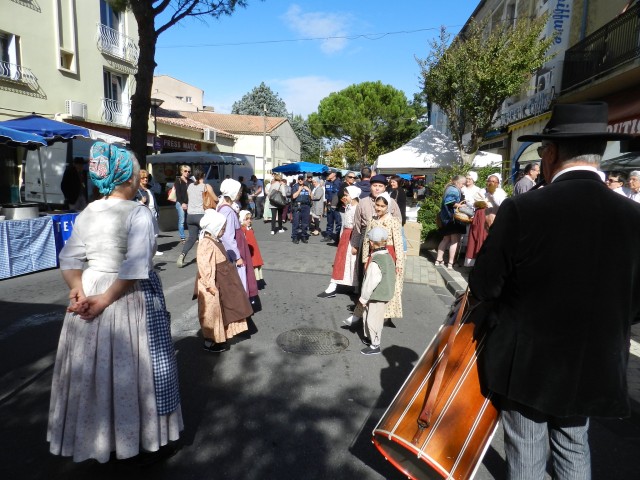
{"points": [[401, 361]]}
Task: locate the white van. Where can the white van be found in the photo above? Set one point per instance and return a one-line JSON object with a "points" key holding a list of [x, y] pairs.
{"points": [[55, 159], [164, 167]]}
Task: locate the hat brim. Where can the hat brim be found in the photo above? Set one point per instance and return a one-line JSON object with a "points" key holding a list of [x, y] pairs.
{"points": [[609, 136]]}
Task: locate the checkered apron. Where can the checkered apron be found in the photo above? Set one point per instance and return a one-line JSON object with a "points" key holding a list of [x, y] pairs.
{"points": [[163, 356]]}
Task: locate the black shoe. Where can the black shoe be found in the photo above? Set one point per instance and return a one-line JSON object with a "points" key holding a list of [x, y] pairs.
{"points": [[370, 350], [389, 323], [305, 240], [216, 347], [295, 240], [327, 295], [365, 341]]}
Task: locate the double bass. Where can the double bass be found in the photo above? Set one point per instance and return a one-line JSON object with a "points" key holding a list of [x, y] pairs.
{"points": [[440, 423]]}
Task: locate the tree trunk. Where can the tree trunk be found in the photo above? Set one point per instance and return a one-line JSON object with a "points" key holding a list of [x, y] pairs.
{"points": [[141, 100]]}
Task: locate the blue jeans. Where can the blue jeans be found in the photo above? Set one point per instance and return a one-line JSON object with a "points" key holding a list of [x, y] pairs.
{"points": [[527, 434], [181, 220]]}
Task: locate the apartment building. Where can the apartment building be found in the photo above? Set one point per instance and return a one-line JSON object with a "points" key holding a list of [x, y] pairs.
{"points": [[596, 58]]}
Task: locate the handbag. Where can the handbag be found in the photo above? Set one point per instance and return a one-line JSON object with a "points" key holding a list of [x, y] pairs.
{"points": [[209, 200], [277, 199], [171, 194], [462, 217]]}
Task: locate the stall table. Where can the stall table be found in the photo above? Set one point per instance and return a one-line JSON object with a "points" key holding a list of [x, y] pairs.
{"points": [[26, 246]]}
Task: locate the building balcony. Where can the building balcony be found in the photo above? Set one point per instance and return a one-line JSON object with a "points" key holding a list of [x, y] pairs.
{"points": [[614, 45], [112, 42], [116, 113], [17, 74]]}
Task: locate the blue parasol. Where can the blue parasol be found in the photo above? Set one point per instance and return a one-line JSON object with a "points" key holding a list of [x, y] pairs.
{"points": [[51, 130], [16, 138]]}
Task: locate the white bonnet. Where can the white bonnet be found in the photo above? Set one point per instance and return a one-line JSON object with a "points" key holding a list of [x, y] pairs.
{"points": [[230, 188], [354, 192], [243, 214], [378, 234], [212, 222]]}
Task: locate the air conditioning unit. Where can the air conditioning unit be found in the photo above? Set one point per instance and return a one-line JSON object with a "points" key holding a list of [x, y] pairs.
{"points": [[76, 109], [210, 135]]}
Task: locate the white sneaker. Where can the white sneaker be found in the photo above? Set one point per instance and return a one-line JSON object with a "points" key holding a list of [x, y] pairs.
{"points": [[273, 233], [351, 320], [158, 253], [281, 230]]}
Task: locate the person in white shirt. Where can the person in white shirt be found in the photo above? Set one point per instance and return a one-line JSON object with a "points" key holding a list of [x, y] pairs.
{"points": [[633, 192], [615, 182], [470, 188]]}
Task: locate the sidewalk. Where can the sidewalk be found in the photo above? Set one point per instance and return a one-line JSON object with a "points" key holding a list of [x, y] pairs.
{"points": [[456, 283]]}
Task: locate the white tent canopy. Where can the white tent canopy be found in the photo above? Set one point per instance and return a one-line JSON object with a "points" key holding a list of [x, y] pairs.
{"points": [[426, 153]]}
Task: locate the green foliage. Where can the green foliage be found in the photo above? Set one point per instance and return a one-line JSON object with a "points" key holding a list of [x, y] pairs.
{"points": [[253, 103], [310, 145], [363, 115], [471, 78]]}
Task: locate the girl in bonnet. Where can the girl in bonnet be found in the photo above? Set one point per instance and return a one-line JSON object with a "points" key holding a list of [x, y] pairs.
{"points": [[223, 307], [256, 256]]}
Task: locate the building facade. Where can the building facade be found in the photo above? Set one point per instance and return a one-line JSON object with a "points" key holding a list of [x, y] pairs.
{"points": [[596, 57]]}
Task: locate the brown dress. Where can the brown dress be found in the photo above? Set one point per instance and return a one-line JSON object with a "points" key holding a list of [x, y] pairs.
{"points": [[223, 310]]}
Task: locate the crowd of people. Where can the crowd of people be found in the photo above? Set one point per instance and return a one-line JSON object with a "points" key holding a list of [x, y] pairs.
{"points": [[115, 389]]}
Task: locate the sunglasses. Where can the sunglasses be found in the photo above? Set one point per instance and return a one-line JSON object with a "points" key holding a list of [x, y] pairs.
{"points": [[350, 176]]}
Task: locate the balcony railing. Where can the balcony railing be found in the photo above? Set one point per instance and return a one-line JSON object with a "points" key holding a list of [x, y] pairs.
{"points": [[114, 43], [117, 113], [17, 73], [609, 47]]}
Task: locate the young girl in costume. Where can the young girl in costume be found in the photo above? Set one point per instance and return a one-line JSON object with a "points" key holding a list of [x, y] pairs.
{"points": [[256, 257], [223, 307]]}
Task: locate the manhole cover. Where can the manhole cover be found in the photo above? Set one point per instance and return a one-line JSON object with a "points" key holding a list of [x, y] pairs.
{"points": [[312, 341]]}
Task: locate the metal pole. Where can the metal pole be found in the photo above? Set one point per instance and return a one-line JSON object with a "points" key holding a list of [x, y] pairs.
{"points": [[155, 129], [264, 144]]}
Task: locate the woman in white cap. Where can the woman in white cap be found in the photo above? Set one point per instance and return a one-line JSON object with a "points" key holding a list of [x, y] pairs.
{"points": [[222, 307], [470, 189], [487, 203], [344, 263], [233, 239]]}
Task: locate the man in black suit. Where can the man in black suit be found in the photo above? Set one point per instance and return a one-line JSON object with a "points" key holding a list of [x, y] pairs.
{"points": [[560, 324]]}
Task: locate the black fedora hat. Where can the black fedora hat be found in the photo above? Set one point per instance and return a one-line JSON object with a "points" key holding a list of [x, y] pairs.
{"points": [[577, 120]]}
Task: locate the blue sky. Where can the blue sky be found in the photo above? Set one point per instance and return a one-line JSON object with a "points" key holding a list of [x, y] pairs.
{"points": [[353, 41]]}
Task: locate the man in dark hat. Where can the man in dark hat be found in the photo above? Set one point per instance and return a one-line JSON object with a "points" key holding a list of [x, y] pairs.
{"points": [[558, 346]]}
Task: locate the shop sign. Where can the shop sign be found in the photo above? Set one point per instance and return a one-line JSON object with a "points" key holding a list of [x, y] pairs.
{"points": [[180, 144], [530, 107]]}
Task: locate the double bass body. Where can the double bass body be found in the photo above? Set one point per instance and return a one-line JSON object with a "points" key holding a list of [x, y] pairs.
{"points": [[461, 420]]}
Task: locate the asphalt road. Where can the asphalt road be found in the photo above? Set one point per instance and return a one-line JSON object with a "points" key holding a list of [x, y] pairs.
{"points": [[254, 412]]}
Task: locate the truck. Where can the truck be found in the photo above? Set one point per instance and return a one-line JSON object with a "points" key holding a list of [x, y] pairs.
{"points": [[165, 167], [47, 164]]}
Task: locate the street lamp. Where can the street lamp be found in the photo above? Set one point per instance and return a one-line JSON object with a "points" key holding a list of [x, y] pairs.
{"points": [[155, 104]]}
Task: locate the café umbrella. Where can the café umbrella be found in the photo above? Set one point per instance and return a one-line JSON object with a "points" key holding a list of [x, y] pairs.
{"points": [[301, 167]]}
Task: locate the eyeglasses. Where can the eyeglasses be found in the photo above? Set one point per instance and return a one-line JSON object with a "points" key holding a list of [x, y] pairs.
{"points": [[613, 180], [186, 171], [144, 178], [540, 150]]}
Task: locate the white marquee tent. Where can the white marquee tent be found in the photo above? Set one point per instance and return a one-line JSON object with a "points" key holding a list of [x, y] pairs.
{"points": [[426, 153]]}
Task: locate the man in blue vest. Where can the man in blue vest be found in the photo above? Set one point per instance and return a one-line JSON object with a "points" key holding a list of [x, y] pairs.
{"points": [[301, 205]]}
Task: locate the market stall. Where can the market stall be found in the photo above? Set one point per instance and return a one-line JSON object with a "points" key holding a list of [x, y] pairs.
{"points": [[26, 246]]}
